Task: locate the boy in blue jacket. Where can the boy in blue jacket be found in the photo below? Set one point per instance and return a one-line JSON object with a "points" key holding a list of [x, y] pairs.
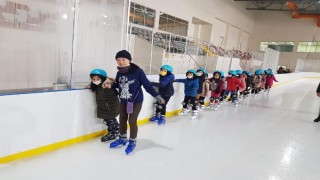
{"points": [[191, 86], [165, 90]]}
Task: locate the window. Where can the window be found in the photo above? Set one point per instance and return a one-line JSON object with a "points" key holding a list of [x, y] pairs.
{"points": [[278, 46], [173, 24], [313, 47], [141, 15]]}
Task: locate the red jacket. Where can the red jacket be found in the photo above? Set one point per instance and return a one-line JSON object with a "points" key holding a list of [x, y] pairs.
{"points": [[232, 83], [270, 79]]}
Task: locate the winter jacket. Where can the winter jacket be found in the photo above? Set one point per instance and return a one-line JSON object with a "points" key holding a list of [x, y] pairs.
{"points": [[129, 85], [318, 89], [165, 85], [263, 82], [270, 79], [225, 83], [242, 80], [107, 102], [205, 88], [249, 82], [257, 81], [233, 82], [201, 81], [191, 86], [216, 85]]}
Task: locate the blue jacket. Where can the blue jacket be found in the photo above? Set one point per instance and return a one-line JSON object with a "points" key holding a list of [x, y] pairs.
{"points": [[165, 85], [129, 85], [201, 80], [191, 86]]}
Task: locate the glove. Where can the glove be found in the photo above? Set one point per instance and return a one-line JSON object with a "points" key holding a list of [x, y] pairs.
{"points": [[160, 99]]}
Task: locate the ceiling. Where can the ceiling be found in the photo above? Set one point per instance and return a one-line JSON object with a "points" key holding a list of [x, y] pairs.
{"points": [[301, 6]]}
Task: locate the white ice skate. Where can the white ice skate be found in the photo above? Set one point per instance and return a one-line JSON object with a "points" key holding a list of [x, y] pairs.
{"points": [[183, 112], [210, 106], [194, 114]]}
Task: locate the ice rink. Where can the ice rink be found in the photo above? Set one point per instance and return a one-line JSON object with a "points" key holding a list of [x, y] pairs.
{"points": [[268, 137]]}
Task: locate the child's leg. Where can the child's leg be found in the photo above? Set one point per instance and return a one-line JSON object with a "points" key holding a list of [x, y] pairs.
{"points": [[202, 102], [198, 100], [113, 129], [133, 120], [226, 94], [269, 88], [222, 95], [234, 96], [193, 102], [216, 99], [123, 120], [164, 106], [113, 126], [158, 109], [186, 101]]}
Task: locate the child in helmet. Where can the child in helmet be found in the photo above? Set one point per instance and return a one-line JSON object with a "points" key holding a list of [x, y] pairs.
{"points": [[263, 81], [203, 88], [223, 78], [165, 89], [232, 83], [242, 78], [191, 86], [249, 84], [269, 80], [257, 81], [107, 102], [216, 87]]}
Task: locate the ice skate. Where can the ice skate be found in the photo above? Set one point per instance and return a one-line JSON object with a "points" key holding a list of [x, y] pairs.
{"points": [[154, 118], [184, 111], [194, 114], [131, 146], [118, 142], [162, 120], [108, 137]]}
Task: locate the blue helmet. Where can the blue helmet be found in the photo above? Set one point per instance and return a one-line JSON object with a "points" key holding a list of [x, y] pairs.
{"points": [[239, 72], [232, 72], [245, 72], [268, 71], [100, 72], [259, 72], [192, 71], [222, 74], [203, 70], [167, 67]]}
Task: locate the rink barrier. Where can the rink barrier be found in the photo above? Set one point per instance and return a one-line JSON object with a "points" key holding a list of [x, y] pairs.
{"points": [[50, 147], [69, 142], [66, 143]]}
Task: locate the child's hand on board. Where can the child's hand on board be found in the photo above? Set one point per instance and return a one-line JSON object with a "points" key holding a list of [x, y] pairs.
{"points": [[106, 86], [88, 86]]}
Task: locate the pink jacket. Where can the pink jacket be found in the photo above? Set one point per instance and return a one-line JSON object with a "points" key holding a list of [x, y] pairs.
{"points": [[270, 79], [257, 81], [242, 82], [263, 81]]}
